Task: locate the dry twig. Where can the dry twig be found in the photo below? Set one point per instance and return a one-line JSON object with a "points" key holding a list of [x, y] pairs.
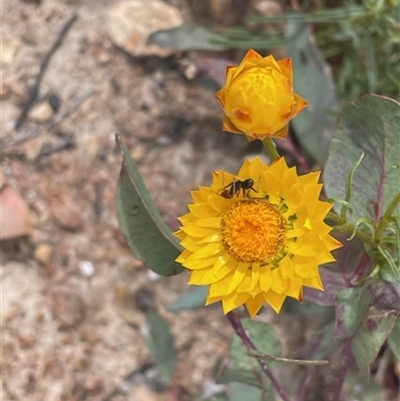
{"points": [[43, 66]]}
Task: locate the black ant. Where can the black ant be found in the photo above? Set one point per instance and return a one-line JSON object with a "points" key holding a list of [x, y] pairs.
{"points": [[235, 186]]}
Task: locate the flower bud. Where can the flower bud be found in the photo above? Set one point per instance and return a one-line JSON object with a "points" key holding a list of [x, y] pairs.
{"points": [[258, 97]]}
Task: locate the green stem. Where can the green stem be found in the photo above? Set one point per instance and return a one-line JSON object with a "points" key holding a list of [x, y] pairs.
{"points": [[270, 147], [344, 226], [389, 212]]}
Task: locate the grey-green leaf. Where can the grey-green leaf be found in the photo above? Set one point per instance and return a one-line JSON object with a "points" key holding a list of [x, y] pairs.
{"points": [[369, 339], [193, 299], [370, 125], [245, 392], [312, 79], [188, 37], [351, 309], [161, 345], [148, 236]]}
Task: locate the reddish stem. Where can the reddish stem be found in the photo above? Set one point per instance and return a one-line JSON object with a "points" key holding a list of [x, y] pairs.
{"points": [[359, 271], [346, 358], [240, 331]]}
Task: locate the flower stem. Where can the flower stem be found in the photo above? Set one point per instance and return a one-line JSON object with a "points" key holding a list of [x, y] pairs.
{"points": [[359, 271], [240, 331], [270, 147], [344, 226]]}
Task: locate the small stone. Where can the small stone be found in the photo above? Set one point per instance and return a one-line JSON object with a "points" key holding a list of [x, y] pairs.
{"points": [[86, 267], [9, 49], [268, 8], [41, 112], [68, 308], [138, 152], [15, 219], [66, 214], [43, 253], [33, 148], [144, 394], [90, 145], [131, 22]]}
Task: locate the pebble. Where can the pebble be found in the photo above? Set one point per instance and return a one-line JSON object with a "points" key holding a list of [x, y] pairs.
{"points": [[86, 267], [43, 253], [15, 218], [131, 22], [66, 213], [9, 49], [68, 308], [41, 112], [144, 394]]}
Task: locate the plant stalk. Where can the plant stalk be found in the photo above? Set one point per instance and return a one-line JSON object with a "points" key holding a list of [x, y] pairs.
{"points": [[345, 226], [270, 147], [240, 331]]}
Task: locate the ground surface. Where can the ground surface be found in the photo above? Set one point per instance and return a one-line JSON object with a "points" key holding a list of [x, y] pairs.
{"points": [[71, 328]]}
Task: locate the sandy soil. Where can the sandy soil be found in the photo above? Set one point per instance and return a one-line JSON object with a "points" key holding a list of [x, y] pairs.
{"points": [[71, 329]]}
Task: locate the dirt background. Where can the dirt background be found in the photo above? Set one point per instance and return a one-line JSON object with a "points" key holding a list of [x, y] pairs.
{"points": [[71, 325], [72, 292]]}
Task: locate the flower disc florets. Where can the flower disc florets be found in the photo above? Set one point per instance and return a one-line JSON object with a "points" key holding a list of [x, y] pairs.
{"points": [[253, 231], [259, 245]]}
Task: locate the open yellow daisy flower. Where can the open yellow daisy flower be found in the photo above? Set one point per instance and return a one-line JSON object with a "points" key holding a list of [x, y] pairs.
{"points": [[257, 237], [258, 97]]}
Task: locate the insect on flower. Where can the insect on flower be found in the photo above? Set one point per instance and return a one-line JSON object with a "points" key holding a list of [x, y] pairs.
{"points": [[235, 186]]}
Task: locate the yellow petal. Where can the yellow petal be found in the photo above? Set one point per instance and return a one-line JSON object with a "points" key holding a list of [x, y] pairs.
{"points": [[238, 276], [253, 305], [233, 301], [274, 300], [286, 67]]}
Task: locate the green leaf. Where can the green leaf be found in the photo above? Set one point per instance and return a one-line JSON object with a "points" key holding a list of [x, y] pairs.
{"points": [[244, 369], [351, 309], [394, 339], [161, 345], [313, 81], [187, 37], [148, 236], [245, 392], [369, 339], [193, 299], [370, 125]]}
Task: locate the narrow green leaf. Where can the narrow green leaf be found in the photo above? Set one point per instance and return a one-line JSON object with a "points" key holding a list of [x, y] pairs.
{"points": [[394, 339], [193, 299], [313, 81], [370, 125], [161, 345], [369, 339], [349, 184], [188, 37], [148, 236], [351, 309]]}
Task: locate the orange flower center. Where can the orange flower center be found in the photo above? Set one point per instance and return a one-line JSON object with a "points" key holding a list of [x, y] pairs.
{"points": [[253, 231]]}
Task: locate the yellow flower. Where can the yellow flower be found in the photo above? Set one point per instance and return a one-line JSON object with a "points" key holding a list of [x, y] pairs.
{"points": [[258, 240], [258, 98]]}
